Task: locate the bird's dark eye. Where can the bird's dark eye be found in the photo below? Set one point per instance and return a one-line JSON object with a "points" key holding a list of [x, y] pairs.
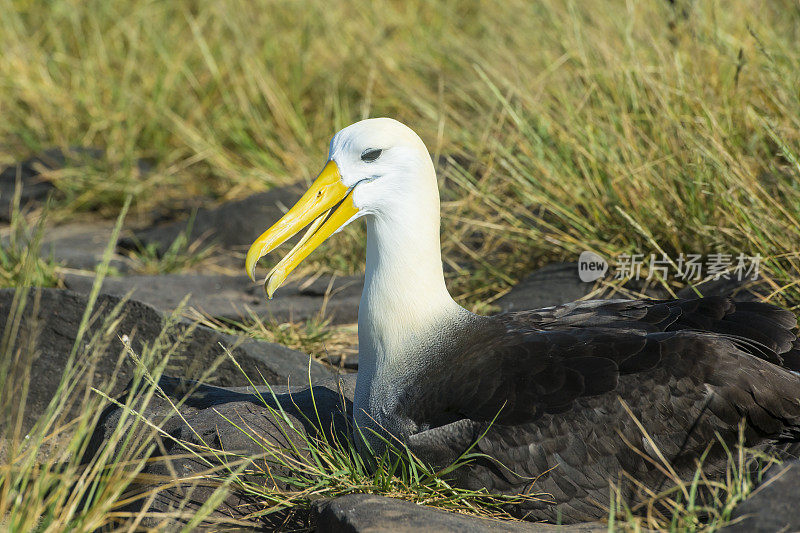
{"points": [[370, 154]]}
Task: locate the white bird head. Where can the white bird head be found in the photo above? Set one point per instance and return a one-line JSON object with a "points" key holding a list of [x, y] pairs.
{"points": [[385, 164], [376, 167]]}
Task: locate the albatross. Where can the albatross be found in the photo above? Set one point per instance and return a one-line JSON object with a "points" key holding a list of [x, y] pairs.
{"points": [[559, 401]]}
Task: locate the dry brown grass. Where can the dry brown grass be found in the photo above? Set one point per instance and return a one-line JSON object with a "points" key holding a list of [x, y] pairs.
{"points": [[558, 127]]}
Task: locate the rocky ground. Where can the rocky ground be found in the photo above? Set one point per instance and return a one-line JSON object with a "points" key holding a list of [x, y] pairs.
{"points": [[226, 295]]}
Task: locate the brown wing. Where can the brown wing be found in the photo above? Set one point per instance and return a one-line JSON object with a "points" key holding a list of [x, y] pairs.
{"points": [[560, 382]]}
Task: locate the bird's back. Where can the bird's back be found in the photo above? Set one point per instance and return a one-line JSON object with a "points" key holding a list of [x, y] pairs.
{"points": [[580, 395]]}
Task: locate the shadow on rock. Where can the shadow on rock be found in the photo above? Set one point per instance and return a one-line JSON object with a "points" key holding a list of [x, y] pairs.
{"points": [[52, 318], [230, 225], [243, 422]]}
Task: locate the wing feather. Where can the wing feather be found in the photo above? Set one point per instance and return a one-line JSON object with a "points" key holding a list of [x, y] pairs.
{"points": [[554, 382]]}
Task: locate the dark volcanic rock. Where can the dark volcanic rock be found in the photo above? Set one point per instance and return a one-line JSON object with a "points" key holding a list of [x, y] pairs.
{"points": [[772, 506], [558, 283], [81, 246], [206, 419], [550, 285], [742, 291], [231, 296], [51, 317], [348, 362], [233, 225], [369, 513]]}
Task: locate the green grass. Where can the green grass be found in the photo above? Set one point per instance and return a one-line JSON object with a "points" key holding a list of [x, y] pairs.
{"points": [[43, 485], [180, 255], [559, 127], [701, 504], [315, 336], [18, 266]]}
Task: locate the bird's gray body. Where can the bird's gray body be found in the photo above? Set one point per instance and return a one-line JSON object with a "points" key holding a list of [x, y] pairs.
{"points": [[586, 394]]}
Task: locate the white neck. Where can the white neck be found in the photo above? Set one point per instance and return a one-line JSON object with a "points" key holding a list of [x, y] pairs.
{"points": [[404, 289], [404, 304]]}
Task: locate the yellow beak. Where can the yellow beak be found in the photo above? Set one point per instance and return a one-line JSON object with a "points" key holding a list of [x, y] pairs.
{"points": [[314, 208]]}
